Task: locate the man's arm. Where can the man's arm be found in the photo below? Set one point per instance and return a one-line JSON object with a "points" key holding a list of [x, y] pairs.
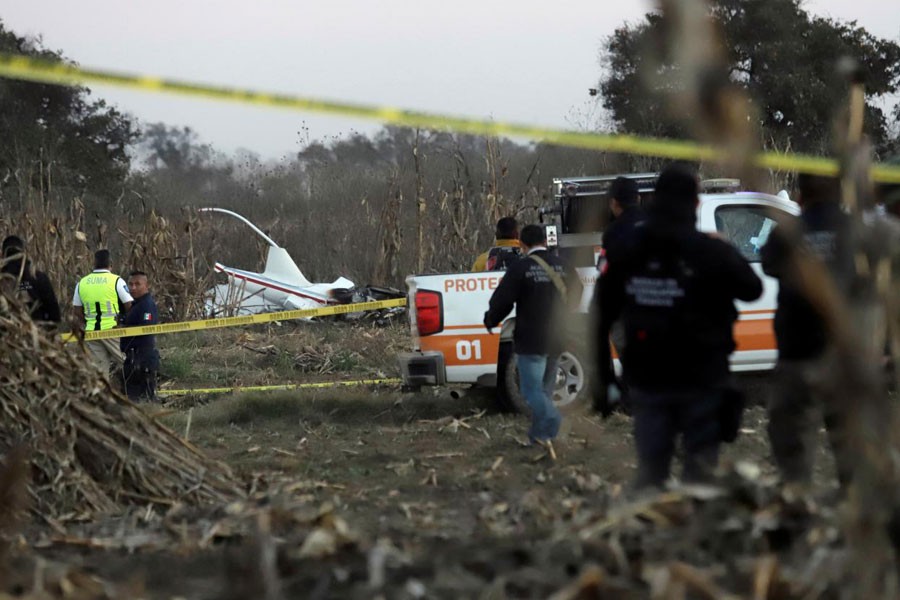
{"points": [[504, 297], [745, 283], [125, 299], [130, 319], [607, 304], [775, 253]]}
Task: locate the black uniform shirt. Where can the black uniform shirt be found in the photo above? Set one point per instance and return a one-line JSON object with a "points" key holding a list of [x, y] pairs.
{"points": [[618, 235], [528, 286], [675, 290], [143, 312]]}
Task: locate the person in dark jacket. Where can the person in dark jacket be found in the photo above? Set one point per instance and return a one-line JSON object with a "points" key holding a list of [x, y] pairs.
{"points": [[538, 285], [824, 232], [674, 288], [35, 286], [629, 217], [627, 213], [141, 356]]}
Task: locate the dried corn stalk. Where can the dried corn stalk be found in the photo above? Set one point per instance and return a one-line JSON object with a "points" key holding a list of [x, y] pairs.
{"points": [[91, 450]]}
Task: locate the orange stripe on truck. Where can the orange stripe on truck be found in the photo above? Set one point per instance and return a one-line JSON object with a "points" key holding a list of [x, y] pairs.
{"points": [[754, 334], [481, 348], [464, 349]]}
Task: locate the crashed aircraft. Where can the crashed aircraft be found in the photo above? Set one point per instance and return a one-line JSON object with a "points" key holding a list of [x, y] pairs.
{"points": [[281, 286]]}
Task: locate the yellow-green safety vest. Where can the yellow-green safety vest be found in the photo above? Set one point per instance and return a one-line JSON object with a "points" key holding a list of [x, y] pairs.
{"points": [[100, 300]]}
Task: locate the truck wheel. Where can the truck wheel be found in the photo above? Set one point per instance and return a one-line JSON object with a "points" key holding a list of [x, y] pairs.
{"points": [[571, 382]]}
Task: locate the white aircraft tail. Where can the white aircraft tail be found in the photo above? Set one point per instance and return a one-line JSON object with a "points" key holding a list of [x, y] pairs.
{"points": [[281, 267]]}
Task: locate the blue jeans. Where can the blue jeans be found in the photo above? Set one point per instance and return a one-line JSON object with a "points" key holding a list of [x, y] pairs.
{"points": [[537, 378]]}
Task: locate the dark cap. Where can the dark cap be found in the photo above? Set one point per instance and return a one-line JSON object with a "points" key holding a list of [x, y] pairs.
{"points": [[624, 190], [676, 194], [678, 183]]}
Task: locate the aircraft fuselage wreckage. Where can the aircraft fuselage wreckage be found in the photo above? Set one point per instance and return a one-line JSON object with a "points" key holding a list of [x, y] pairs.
{"points": [[281, 285]]}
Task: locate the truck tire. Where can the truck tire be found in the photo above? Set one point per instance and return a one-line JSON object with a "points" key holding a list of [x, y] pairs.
{"points": [[572, 382]]}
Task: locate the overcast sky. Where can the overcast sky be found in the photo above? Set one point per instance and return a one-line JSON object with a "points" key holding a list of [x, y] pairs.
{"points": [[529, 61]]}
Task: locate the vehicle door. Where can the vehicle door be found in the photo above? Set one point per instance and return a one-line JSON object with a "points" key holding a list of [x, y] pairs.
{"points": [[746, 221]]}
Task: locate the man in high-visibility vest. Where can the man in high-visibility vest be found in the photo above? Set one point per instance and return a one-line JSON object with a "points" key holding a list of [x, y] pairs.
{"points": [[99, 300]]}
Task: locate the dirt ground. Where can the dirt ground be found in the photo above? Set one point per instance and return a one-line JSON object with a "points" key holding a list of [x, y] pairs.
{"points": [[437, 496]]}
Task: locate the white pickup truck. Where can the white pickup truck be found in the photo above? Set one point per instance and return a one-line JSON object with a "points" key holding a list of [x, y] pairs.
{"points": [[451, 345]]}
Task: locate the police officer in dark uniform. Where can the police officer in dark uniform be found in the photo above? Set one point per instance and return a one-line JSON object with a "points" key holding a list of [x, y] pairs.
{"points": [[675, 288], [34, 285], [141, 356], [628, 218], [623, 203], [825, 232]]}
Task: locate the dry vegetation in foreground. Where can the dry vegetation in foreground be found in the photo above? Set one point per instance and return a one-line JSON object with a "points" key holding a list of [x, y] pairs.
{"points": [[355, 493], [366, 491]]}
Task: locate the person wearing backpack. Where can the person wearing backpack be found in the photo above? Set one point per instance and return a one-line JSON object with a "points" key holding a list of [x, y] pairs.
{"points": [[539, 286], [674, 287], [505, 250]]}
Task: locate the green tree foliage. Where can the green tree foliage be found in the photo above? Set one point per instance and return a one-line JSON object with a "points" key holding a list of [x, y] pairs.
{"points": [[785, 58], [178, 150], [57, 142]]}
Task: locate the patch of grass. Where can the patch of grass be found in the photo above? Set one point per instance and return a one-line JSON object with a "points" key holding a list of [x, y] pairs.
{"points": [[284, 364], [346, 360], [245, 356], [187, 341], [344, 407], [242, 409], [176, 363]]}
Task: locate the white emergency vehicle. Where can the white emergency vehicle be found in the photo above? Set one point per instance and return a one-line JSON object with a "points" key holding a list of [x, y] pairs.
{"points": [[451, 345]]}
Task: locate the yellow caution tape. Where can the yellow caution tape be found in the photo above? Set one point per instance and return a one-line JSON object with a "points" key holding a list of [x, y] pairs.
{"points": [[304, 313], [30, 69], [269, 388]]}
